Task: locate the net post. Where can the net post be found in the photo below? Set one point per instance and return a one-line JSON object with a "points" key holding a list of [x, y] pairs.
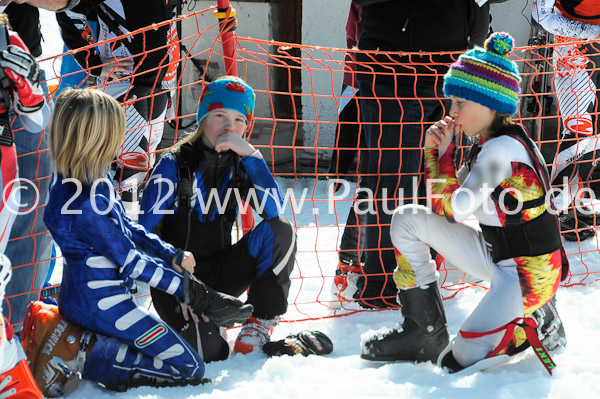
{"points": [[227, 24]]}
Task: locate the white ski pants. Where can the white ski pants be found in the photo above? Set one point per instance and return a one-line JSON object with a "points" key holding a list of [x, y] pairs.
{"points": [[414, 228]]}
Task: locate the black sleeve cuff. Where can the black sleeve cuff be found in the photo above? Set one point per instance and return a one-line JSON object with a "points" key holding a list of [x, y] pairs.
{"points": [[70, 5]]}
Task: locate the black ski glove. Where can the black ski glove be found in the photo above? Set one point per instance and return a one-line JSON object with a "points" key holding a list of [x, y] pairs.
{"points": [[222, 309], [305, 342]]}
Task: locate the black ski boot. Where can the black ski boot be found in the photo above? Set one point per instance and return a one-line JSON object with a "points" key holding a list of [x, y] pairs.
{"points": [[222, 309], [550, 327], [423, 335], [587, 215], [574, 229]]}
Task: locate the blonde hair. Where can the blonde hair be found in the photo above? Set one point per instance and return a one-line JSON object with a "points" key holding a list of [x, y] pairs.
{"points": [[4, 20], [86, 130], [192, 137]]}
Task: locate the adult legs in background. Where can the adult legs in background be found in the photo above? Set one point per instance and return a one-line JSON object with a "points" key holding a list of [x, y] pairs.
{"points": [[349, 142], [145, 124], [30, 245], [394, 120], [576, 154]]}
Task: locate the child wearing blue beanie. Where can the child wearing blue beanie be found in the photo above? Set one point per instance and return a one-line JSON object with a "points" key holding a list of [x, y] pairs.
{"points": [[192, 201], [517, 249]]}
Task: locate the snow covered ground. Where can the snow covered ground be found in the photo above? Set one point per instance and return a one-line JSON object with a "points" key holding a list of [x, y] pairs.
{"points": [[343, 374]]}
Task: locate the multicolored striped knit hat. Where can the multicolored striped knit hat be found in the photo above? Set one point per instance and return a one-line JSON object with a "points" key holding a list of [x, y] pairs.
{"points": [[486, 76], [229, 92]]}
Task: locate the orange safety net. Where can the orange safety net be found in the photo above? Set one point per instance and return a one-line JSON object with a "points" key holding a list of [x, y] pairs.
{"points": [[298, 95]]}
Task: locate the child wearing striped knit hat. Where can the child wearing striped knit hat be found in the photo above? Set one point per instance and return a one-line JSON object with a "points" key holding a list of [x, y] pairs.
{"points": [[517, 248]]}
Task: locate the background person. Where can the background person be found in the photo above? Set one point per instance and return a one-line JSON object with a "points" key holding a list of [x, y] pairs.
{"points": [[575, 83], [348, 142], [25, 97], [30, 244], [400, 95], [131, 69]]}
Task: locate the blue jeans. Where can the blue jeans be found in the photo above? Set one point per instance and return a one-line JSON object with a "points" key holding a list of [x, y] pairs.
{"points": [[394, 119], [30, 245]]}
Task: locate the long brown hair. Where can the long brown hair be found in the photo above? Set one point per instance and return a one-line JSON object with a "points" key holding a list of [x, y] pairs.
{"points": [[499, 122]]}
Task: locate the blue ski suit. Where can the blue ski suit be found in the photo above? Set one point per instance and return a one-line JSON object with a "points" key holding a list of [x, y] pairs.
{"points": [[104, 252], [260, 262]]}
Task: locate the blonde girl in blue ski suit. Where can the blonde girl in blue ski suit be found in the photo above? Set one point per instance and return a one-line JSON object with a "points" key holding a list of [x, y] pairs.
{"points": [[123, 344]]}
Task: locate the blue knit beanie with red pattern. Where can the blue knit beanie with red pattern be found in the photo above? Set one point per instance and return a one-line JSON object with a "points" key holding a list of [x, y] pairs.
{"points": [[229, 92]]}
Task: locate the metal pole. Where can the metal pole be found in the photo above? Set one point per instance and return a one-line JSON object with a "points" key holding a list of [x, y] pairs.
{"points": [[178, 9], [227, 24]]}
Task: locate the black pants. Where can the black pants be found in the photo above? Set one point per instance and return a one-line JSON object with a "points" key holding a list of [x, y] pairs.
{"points": [[348, 141], [233, 271]]}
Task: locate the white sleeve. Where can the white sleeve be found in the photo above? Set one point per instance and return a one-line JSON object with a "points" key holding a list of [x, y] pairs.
{"points": [[543, 13], [35, 122], [461, 175], [493, 165]]}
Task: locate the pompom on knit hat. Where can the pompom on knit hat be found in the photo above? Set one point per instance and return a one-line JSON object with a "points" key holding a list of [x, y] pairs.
{"points": [[229, 92], [486, 75]]}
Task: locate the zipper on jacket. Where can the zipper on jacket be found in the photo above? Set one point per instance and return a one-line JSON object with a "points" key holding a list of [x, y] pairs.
{"points": [[215, 186], [189, 213], [189, 226]]}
